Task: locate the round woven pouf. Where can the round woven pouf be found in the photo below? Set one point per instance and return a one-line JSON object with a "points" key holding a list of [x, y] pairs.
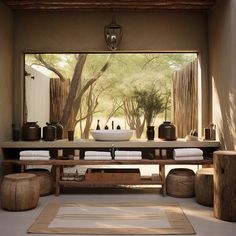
{"points": [[19, 192], [45, 180], [204, 188], [180, 183]]}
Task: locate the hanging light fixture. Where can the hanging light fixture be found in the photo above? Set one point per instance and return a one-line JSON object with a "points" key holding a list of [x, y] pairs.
{"points": [[113, 35]]}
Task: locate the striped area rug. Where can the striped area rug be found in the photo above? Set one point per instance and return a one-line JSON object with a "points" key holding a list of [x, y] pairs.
{"points": [[112, 218]]}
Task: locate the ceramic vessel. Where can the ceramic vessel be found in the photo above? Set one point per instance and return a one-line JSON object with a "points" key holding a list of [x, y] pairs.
{"points": [[49, 132], [167, 131], [59, 129], [112, 135], [150, 132], [31, 131]]}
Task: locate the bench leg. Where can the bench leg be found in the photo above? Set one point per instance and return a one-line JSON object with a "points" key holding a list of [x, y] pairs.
{"points": [[163, 179], [57, 193]]}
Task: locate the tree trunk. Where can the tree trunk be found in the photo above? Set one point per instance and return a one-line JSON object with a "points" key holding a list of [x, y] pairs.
{"points": [[59, 91], [224, 185], [73, 90]]}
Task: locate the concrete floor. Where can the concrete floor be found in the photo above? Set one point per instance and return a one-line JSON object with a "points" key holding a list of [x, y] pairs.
{"points": [[201, 218]]}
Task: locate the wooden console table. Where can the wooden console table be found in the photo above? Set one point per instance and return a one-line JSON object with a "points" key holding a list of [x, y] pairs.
{"points": [[11, 157]]}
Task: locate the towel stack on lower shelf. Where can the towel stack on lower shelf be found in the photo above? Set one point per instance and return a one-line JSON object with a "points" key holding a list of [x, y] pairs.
{"points": [[128, 155], [35, 155], [188, 154], [96, 156]]}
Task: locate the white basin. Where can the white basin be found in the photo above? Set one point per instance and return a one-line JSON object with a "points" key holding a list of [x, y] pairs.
{"points": [[112, 135]]}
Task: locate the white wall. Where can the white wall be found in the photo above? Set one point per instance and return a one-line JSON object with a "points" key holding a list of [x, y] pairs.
{"points": [[222, 55], [76, 31], [6, 67], [37, 94]]}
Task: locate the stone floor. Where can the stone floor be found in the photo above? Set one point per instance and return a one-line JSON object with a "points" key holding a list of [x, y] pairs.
{"points": [[201, 218]]}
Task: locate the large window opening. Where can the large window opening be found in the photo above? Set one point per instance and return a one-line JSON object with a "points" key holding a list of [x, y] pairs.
{"points": [[128, 90]]}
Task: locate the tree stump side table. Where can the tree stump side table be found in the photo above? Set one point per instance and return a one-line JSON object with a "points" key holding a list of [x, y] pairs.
{"points": [[204, 190], [225, 185]]}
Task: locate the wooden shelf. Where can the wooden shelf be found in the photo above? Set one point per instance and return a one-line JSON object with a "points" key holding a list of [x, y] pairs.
{"points": [[112, 162], [86, 143], [73, 183], [149, 148]]}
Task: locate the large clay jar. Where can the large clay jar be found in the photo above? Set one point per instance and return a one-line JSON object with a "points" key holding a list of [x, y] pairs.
{"points": [[167, 131], [49, 132], [59, 130], [31, 131]]}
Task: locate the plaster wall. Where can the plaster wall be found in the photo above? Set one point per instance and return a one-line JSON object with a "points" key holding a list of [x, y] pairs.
{"points": [[6, 45], [222, 57], [79, 32]]}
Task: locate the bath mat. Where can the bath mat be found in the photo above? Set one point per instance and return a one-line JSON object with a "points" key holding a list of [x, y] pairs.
{"points": [[112, 218]]}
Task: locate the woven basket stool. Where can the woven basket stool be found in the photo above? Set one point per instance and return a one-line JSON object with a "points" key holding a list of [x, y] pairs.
{"points": [[180, 182], [19, 192], [45, 180]]}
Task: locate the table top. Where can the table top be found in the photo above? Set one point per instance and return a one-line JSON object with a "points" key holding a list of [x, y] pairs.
{"points": [[88, 143]]}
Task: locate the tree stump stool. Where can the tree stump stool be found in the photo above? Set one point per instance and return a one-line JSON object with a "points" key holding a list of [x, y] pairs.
{"points": [[180, 182], [204, 191], [19, 192], [225, 185], [45, 180]]}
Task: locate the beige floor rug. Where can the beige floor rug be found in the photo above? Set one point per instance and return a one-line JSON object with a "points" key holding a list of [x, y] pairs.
{"points": [[112, 218]]}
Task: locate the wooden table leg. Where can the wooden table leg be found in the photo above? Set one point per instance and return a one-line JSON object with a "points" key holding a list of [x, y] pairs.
{"points": [[163, 178], [57, 193]]}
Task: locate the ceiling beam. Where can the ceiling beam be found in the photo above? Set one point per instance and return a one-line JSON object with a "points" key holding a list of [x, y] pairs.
{"points": [[101, 5]]}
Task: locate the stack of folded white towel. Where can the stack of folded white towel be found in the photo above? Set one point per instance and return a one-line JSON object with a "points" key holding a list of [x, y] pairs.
{"points": [[182, 154], [96, 155], [35, 155], [128, 155]]}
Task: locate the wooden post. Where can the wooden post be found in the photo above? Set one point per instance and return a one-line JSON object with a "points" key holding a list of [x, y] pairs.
{"points": [[57, 193], [225, 185], [163, 178]]}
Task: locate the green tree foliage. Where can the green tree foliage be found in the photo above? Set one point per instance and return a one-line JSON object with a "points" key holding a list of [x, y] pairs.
{"points": [[151, 102], [115, 87]]}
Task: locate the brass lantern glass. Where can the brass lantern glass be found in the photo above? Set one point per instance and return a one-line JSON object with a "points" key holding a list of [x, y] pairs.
{"points": [[113, 35]]}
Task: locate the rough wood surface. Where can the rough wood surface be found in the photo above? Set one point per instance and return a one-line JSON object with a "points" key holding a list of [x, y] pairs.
{"points": [[185, 99], [93, 5], [112, 175], [180, 183], [19, 192], [204, 186], [225, 185]]}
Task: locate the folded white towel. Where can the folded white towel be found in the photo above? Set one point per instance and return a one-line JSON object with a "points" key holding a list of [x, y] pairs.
{"points": [[35, 153], [96, 153], [183, 152], [189, 158], [34, 158], [97, 158], [128, 153], [122, 158]]}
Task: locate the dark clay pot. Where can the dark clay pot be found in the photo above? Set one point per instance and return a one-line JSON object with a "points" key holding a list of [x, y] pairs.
{"points": [[49, 132], [150, 132], [167, 131], [31, 131], [59, 129]]}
